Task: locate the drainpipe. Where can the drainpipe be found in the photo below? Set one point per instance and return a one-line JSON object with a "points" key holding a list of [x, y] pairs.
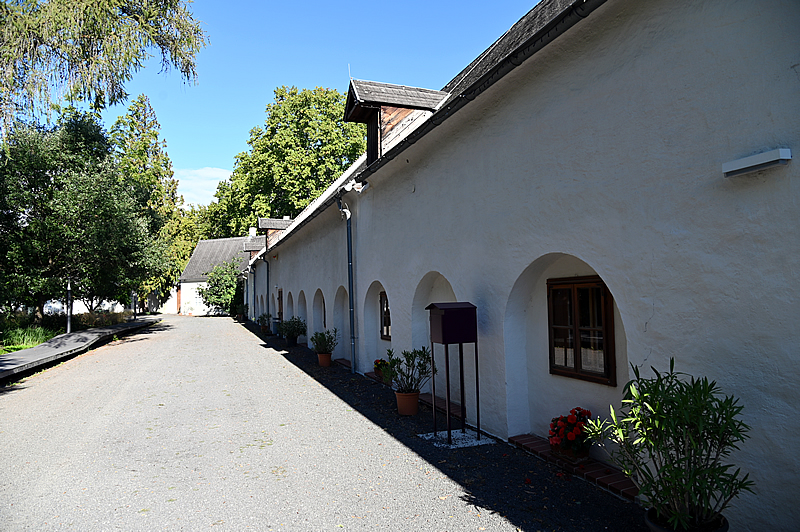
{"points": [[266, 292], [346, 213]]}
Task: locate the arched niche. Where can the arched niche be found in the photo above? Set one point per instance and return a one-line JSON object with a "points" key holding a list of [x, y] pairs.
{"points": [[534, 395], [375, 346]]}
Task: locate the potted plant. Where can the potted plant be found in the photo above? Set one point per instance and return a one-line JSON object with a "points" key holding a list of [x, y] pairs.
{"points": [[291, 329], [408, 373], [378, 367], [568, 438], [672, 437], [263, 321], [324, 343]]}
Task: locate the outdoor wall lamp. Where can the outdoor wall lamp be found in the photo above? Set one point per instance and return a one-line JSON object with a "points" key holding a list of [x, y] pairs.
{"points": [[757, 162]]}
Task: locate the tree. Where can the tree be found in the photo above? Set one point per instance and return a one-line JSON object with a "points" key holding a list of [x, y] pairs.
{"points": [[302, 148], [220, 291], [67, 215], [145, 168], [87, 50]]}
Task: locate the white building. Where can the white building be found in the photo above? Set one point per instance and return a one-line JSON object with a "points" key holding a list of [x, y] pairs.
{"points": [[206, 256], [582, 154]]}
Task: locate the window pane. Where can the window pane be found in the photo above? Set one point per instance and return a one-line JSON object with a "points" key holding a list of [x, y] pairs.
{"points": [[592, 356], [590, 307], [562, 306], [563, 348]]}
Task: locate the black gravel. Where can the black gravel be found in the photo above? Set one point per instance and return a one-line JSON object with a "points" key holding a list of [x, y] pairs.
{"points": [[526, 490]]}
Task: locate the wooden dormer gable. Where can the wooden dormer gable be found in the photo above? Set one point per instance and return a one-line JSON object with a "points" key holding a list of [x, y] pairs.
{"points": [[382, 106]]}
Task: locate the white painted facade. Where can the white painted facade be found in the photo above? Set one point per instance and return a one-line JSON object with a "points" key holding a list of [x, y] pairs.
{"points": [[601, 154], [191, 302]]}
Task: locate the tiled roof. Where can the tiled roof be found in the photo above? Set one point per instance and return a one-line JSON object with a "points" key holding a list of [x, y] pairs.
{"points": [[210, 253], [540, 16], [373, 94], [273, 223]]}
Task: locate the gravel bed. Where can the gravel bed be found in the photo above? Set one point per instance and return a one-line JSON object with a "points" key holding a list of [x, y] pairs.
{"points": [[198, 423]]}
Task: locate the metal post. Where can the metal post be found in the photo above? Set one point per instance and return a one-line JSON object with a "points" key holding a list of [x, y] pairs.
{"points": [[69, 306], [477, 394], [463, 400], [447, 393], [433, 389]]}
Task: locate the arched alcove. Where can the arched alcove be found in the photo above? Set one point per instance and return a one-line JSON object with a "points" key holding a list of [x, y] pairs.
{"points": [[302, 314], [341, 320], [375, 343], [289, 306], [534, 395], [433, 288], [318, 317]]}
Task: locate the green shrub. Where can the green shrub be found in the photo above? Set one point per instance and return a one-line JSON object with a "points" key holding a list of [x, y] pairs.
{"points": [[325, 341]]}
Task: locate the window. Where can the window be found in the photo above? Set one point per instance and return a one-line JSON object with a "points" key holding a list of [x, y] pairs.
{"points": [[386, 318], [580, 312]]}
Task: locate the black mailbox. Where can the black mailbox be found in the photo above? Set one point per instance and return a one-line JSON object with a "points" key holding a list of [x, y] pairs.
{"points": [[453, 323]]}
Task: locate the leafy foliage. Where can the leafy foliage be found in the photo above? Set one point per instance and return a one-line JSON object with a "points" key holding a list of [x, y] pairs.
{"points": [[410, 371], [302, 148], [293, 327], [672, 437], [219, 293], [325, 341], [87, 50], [66, 215], [145, 168]]}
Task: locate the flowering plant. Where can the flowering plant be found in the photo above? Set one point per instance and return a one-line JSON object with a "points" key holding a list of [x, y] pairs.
{"points": [[380, 364], [568, 432]]}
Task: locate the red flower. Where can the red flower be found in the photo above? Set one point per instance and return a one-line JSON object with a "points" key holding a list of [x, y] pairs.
{"points": [[588, 413], [572, 419], [571, 436], [576, 431]]}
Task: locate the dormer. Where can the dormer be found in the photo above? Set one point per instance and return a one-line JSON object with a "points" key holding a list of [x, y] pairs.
{"points": [[383, 107]]}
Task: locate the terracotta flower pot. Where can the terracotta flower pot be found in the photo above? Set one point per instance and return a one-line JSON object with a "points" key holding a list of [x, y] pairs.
{"points": [[407, 403], [324, 359]]}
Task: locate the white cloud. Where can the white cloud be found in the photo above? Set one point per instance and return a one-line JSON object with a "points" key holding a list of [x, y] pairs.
{"points": [[199, 185]]}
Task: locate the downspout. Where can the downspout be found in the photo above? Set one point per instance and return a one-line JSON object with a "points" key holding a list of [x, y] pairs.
{"points": [[266, 292], [346, 213]]}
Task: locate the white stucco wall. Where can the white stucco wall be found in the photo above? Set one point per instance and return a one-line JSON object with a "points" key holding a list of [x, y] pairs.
{"points": [[191, 302], [601, 155]]}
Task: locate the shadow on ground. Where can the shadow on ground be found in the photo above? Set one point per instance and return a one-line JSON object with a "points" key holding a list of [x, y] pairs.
{"points": [[531, 493]]}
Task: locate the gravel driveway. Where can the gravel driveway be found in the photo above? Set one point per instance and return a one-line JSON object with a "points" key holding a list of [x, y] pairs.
{"points": [[196, 424]]}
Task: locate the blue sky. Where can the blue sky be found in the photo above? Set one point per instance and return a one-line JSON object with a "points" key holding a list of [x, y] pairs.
{"points": [[257, 46]]}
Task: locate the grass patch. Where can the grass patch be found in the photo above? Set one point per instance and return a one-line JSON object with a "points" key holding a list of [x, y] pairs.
{"points": [[19, 338]]}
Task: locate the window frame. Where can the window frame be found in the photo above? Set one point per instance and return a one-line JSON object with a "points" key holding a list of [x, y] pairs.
{"points": [[609, 378], [384, 316]]}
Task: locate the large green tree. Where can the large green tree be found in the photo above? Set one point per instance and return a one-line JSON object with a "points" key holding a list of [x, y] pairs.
{"points": [[67, 215], [144, 167], [87, 50], [302, 148]]}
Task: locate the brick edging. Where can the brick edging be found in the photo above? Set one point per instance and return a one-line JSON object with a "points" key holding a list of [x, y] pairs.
{"points": [[591, 470]]}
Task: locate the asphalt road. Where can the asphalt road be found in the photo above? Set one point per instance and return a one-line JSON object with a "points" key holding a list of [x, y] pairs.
{"points": [[196, 424]]}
